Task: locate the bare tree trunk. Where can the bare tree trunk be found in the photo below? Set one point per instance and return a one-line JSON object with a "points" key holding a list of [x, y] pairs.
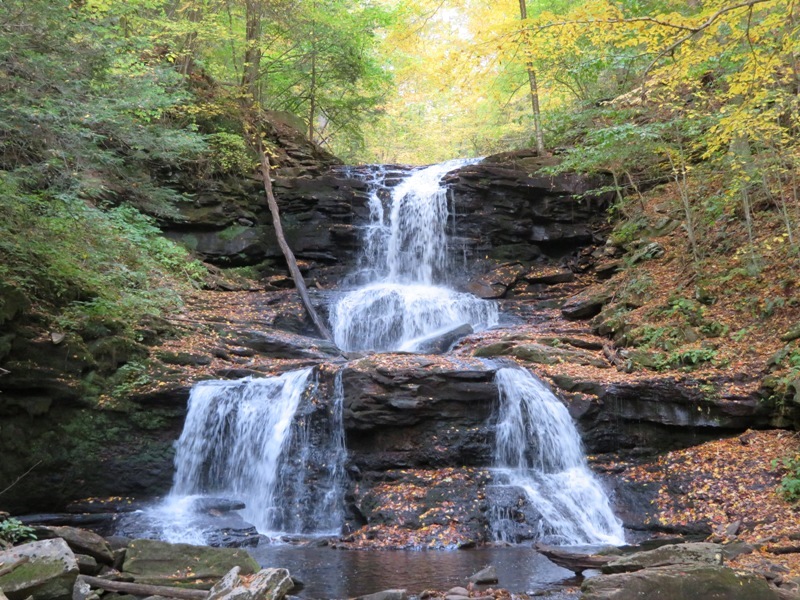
{"points": [[312, 108], [252, 48], [679, 176], [299, 283], [537, 116]]}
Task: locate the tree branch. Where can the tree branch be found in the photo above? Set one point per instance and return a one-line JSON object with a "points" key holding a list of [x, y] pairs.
{"points": [[291, 262], [692, 32]]}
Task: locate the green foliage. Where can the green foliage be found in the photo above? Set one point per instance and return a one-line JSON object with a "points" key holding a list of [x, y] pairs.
{"points": [[652, 336], [626, 231], [228, 154], [690, 357], [130, 377], [86, 121], [790, 483], [12, 532], [92, 268]]}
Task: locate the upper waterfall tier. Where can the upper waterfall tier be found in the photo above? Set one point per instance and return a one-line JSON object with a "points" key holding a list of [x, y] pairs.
{"points": [[404, 263]]}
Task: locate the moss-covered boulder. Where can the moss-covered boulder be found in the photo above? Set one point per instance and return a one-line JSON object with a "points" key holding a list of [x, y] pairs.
{"points": [[541, 354], [161, 563], [46, 570], [83, 542], [679, 582]]}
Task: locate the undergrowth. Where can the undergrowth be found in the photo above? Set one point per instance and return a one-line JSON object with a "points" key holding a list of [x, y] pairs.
{"points": [[88, 270]]}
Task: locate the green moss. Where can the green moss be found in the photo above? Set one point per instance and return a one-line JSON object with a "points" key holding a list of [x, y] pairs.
{"points": [[232, 232]]}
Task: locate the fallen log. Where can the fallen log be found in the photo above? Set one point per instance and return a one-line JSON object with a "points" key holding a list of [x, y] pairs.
{"points": [[141, 589], [785, 549], [573, 561]]}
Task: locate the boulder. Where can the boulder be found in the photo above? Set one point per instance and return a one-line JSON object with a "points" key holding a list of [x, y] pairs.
{"points": [[87, 565], [549, 276], [672, 554], [679, 582], [486, 575], [496, 282], [585, 305], [160, 563], [457, 591], [282, 344], [386, 595], [82, 590], [541, 354], [267, 584], [84, 542], [439, 343], [46, 570]]}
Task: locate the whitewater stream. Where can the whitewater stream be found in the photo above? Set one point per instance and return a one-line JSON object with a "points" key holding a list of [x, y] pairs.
{"points": [[250, 440]]}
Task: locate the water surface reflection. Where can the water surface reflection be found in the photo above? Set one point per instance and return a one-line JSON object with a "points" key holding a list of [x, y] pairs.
{"points": [[329, 573]]}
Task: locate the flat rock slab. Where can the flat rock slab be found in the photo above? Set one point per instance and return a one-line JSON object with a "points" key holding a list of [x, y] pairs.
{"points": [[267, 584], [47, 571], [679, 582], [386, 595], [486, 575], [160, 563], [672, 554]]}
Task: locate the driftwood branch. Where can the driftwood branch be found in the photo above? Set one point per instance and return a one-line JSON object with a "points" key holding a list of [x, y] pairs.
{"points": [[140, 589], [291, 262], [787, 549], [573, 561], [20, 478]]}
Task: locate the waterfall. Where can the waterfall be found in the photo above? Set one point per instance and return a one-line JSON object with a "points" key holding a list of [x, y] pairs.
{"points": [[267, 443], [405, 261], [312, 478], [538, 450]]}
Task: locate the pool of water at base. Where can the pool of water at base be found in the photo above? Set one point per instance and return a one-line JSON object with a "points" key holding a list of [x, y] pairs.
{"points": [[330, 573]]}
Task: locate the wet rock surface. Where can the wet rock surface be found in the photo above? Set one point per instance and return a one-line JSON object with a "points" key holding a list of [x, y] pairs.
{"points": [[160, 563], [43, 570]]}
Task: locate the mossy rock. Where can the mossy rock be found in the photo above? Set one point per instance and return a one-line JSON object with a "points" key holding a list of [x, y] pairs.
{"points": [[161, 563], [184, 359], [540, 354], [548, 355], [48, 574], [792, 334], [679, 582], [646, 359], [492, 350], [12, 302]]}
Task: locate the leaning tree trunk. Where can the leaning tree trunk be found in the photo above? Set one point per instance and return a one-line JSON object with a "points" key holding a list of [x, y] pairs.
{"points": [[534, 86], [250, 118], [299, 282]]}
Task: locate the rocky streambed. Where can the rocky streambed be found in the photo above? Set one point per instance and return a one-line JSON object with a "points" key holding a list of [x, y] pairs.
{"points": [[78, 564]]}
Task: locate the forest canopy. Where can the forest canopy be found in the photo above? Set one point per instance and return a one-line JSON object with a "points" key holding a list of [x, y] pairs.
{"points": [[102, 101]]}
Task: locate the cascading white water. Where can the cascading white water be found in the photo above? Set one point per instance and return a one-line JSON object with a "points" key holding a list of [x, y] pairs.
{"points": [[538, 450], [312, 478], [404, 257], [232, 440], [252, 440]]}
